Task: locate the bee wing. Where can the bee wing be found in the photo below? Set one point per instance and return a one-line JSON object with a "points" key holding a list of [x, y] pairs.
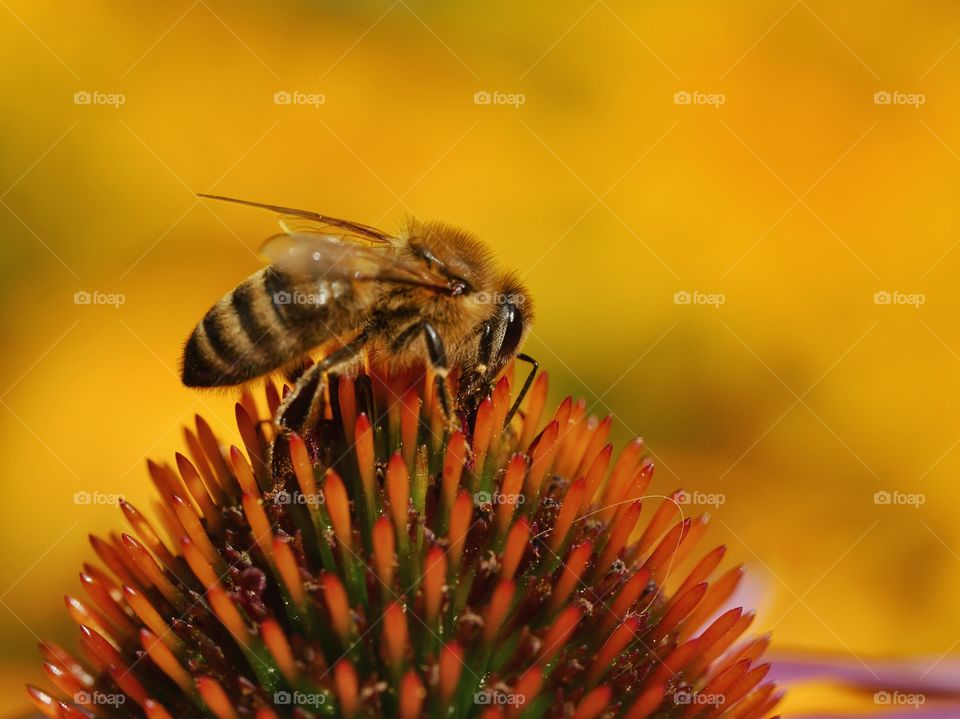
{"points": [[333, 257], [293, 221], [299, 225]]}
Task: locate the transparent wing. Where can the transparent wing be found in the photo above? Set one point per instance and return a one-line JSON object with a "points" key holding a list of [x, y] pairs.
{"points": [[295, 224], [293, 221], [333, 257]]}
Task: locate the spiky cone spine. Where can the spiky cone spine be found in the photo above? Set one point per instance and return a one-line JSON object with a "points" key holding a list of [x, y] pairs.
{"points": [[373, 567]]}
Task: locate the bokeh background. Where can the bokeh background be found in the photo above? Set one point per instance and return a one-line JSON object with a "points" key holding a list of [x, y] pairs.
{"points": [[781, 198]]}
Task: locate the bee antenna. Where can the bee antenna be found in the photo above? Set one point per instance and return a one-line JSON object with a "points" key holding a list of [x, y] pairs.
{"points": [[534, 366], [248, 203]]}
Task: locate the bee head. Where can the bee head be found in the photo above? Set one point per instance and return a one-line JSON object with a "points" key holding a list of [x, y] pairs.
{"points": [[508, 323], [499, 336]]}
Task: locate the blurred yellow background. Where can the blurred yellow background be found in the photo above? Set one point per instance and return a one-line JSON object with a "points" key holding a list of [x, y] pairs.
{"points": [[629, 152]]}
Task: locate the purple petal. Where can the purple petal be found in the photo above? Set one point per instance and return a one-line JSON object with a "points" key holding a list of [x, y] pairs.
{"points": [[927, 675], [941, 712]]}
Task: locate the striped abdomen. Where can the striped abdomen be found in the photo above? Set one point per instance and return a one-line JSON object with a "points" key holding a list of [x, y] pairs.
{"points": [[269, 320]]}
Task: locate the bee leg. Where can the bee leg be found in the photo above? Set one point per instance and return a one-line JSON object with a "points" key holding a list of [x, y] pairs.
{"points": [[526, 386], [474, 384], [295, 371], [438, 363], [291, 414]]}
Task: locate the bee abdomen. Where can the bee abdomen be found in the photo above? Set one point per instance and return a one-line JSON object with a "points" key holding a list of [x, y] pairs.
{"points": [[213, 356], [269, 320], [240, 338], [202, 364], [261, 327]]}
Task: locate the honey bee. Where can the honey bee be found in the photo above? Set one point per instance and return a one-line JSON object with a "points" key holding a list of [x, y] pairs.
{"points": [[429, 296]]}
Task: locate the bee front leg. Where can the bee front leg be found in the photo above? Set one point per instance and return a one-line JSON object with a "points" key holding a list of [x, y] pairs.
{"points": [[309, 388], [441, 370]]}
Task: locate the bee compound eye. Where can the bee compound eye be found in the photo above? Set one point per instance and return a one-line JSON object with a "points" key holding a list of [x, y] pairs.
{"points": [[512, 334]]}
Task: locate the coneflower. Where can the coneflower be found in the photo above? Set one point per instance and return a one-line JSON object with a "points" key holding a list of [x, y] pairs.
{"points": [[375, 565]]}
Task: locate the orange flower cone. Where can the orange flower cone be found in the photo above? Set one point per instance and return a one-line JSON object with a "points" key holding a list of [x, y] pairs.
{"points": [[375, 566]]}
